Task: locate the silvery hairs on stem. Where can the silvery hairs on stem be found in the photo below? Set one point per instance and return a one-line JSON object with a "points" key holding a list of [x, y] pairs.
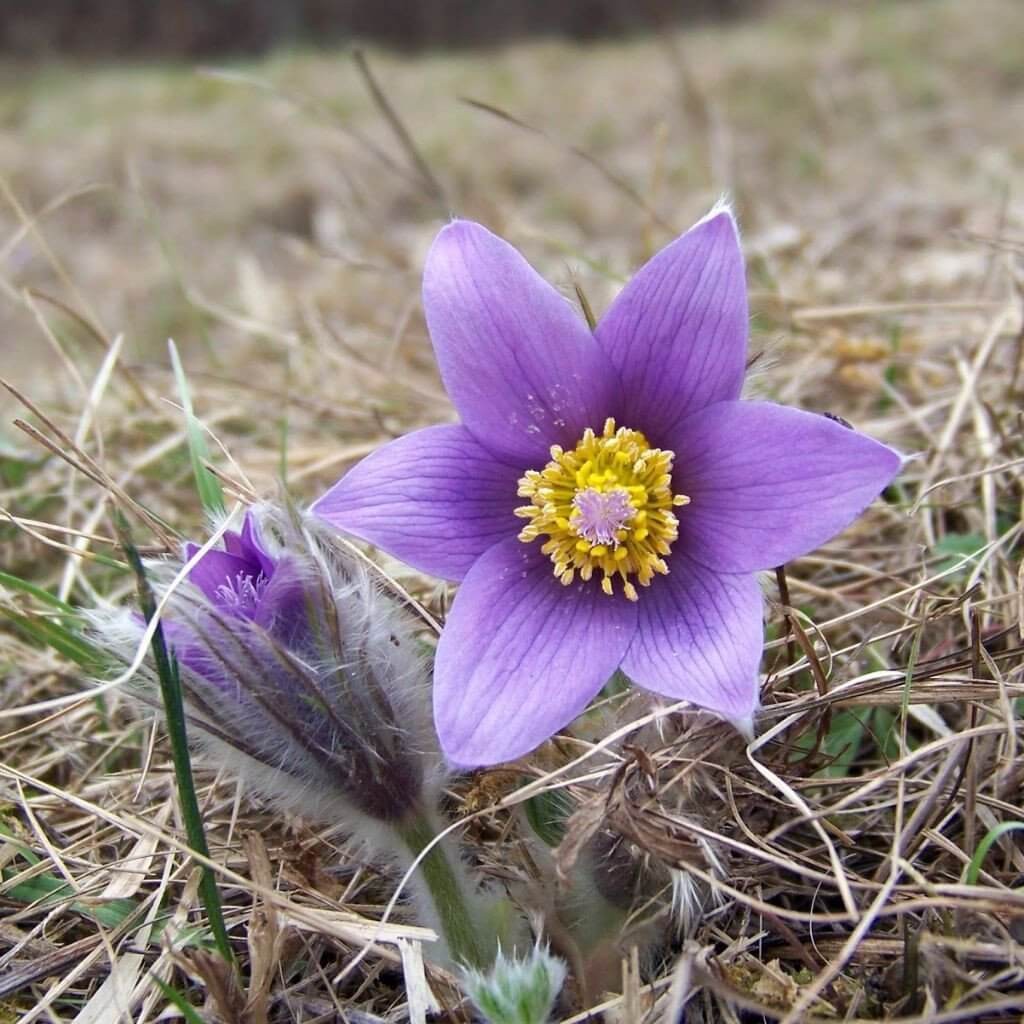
{"points": [[298, 673]]}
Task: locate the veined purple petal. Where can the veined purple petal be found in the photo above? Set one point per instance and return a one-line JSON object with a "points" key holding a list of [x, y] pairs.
{"points": [[519, 364], [521, 655], [233, 542], [435, 498], [677, 333], [189, 649], [233, 576], [699, 638], [251, 544], [768, 483], [285, 609]]}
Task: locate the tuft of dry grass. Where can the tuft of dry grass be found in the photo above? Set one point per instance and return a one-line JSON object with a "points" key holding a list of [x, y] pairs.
{"points": [[272, 218]]}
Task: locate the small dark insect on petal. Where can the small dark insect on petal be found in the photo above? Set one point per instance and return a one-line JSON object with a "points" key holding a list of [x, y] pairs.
{"points": [[838, 419]]}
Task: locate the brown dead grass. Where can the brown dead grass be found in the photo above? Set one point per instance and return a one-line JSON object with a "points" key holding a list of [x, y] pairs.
{"points": [[272, 222]]}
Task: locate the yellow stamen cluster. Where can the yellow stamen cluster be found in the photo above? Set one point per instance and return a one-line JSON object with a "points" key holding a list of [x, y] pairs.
{"points": [[606, 505]]}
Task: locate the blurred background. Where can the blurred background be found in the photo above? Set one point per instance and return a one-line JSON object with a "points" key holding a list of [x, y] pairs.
{"points": [[203, 28], [227, 173]]}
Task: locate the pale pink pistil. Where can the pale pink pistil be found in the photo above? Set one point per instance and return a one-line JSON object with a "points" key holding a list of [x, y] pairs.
{"points": [[601, 514]]}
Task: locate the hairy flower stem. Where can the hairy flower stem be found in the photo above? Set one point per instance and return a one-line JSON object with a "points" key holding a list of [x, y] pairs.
{"points": [[444, 883]]}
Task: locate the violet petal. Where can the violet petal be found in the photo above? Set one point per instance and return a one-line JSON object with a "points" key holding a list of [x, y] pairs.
{"points": [[699, 638], [435, 499], [217, 569], [768, 483], [284, 608], [521, 655], [233, 543], [193, 654], [253, 544], [677, 332], [519, 364]]}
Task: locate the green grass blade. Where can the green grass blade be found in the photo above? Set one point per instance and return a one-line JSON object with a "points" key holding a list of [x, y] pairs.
{"points": [[174, 711], [63, 640], [973, 869], [43, 596], [23, 850], [49, 891], [843, 743], [187, 1010], [547, 813], [207, 485]]}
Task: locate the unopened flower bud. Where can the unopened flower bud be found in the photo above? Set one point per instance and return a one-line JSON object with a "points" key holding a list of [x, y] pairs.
{"points": [[516, 991], [300, 673]]}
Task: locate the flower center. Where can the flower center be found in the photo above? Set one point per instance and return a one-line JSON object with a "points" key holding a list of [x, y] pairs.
{"points": [[606, 505], [242, 593]]}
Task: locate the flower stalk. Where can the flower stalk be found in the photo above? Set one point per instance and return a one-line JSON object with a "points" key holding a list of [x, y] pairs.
{"points": [[441, 879]]}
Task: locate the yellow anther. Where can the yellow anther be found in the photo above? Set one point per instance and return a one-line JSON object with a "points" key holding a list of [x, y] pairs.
{"points": [[605, 505]]}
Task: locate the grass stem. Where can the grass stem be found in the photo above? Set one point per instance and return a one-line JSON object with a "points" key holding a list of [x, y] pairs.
{"points": [[174, 710]]}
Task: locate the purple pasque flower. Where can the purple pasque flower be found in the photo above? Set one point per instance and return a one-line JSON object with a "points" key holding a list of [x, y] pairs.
{"points": [[607, 498], [234, 579], [246, 581], [296, 669]]}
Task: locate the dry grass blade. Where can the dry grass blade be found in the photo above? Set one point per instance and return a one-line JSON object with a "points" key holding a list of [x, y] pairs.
{"points": [[405, 139], [614, 179], [71, 453]]}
